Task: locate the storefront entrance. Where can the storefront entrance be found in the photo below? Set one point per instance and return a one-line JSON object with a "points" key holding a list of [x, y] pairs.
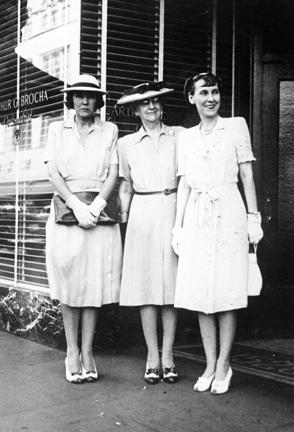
{"points": [[285, 225], [277, 176]]}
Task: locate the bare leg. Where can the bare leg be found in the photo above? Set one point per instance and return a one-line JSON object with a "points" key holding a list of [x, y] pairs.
{"points": [[208, 330], [88, 323], [227, 330], [169, 323], [71, 318], [149, 324]]}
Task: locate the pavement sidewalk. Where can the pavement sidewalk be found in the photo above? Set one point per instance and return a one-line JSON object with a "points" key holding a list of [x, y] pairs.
{"points": [[35, 397]]}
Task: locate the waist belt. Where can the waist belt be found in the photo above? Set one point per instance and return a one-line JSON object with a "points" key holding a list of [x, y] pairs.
{"points": [[164, 192], [76, 185]]}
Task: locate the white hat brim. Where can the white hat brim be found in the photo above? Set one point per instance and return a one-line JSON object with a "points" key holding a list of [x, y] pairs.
{"points": [[83, 88], [137, 97]]}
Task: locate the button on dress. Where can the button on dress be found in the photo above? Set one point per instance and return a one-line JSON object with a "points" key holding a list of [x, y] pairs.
{"points": [[149, 264], [213, 261], [83, 266]]}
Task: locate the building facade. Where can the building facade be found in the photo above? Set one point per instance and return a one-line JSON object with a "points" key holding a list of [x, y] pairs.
{"points": [[45, 43]]}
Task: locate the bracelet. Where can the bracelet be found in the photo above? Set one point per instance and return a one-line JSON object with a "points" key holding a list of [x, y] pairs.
{"points": [[254, 213], [124, 213]]}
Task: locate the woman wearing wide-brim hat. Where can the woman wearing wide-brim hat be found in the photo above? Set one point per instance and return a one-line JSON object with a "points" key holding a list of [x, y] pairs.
{"points": [[147, 168], [83, 260]]}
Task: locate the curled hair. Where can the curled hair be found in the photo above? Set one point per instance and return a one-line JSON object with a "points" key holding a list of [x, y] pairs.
{"points": [[69, 100], [209, 78]]}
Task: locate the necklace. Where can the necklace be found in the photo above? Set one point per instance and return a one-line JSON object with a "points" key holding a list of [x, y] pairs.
{"points": [[206, 131]]}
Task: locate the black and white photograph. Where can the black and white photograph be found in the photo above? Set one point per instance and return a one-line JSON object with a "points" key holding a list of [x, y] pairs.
{"points": [[147, 215]]}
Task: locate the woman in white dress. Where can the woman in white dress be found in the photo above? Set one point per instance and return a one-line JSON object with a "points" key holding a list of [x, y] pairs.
{"points": [[147, 168], [212, 230], [83, 260]]}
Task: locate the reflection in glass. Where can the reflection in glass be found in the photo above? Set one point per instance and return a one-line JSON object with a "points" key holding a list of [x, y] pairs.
{"points": [[50, 37], [30, 99]]}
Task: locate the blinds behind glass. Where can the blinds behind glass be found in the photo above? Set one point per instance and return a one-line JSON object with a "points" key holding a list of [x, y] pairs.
{"points": [[34, 68], [187, 51], [224, 52], [91, 28], [132, 52]]}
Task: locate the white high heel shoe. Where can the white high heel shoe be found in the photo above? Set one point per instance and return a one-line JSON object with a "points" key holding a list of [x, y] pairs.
{"points": [[221, 387], [72, 377], [203, 383], [89, 376]]}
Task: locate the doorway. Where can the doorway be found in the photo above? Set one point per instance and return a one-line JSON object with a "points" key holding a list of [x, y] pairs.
{"points": [[285, 217]]}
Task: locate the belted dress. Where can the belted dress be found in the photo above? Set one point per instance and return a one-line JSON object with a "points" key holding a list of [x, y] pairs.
{"points": [[149, 263], [213, 260], [83, 265]]}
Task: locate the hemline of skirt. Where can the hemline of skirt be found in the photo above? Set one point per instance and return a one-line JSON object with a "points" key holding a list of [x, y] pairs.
{"points": [[210, 312]]}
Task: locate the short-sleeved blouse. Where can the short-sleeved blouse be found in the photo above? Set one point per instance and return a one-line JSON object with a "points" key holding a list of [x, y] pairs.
{"points": [[148, 164], [231, 135], [82, 167]]}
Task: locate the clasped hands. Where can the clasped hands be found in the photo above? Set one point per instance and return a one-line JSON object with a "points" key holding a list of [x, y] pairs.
{"points": [[86, 215]]}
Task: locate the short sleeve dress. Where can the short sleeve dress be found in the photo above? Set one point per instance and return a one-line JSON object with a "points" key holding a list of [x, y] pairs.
{"points": [[83, 266], [149, 264], [213, 261]]}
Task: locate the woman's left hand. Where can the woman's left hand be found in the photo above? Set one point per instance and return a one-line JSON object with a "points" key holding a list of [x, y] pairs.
{"points": [[97, 206], [177, 235], [255, 232]]}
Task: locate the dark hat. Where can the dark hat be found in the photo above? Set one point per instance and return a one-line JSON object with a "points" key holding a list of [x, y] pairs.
{"points": [[144, 91], [84, 82]]}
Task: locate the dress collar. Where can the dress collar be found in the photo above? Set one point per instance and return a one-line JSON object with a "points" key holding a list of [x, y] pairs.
{"points": [[70, 123], [165, 130], [220, 124]]}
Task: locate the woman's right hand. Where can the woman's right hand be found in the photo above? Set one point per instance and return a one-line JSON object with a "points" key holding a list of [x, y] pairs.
{"points": [[82, 212], [177, 235], [255, 232]]}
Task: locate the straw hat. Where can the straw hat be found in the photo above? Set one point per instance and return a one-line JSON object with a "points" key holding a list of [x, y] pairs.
{"points": [[84, 82], [144, 91]]}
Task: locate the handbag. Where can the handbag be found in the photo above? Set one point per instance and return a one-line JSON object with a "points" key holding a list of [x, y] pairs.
{"points": [[254, 274], [65, 216]]}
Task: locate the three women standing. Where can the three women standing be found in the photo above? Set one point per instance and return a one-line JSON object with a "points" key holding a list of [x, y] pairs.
{"points": [[148, 164], [209, 232], [83, 260], [212, 229]]}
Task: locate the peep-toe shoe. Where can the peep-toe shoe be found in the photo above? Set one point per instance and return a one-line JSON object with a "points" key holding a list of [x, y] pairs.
{"points": [[72, 377], [89, 376], [169, 375], [152, 375]]}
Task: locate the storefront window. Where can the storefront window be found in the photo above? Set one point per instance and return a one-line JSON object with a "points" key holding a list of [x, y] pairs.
{"points": [[39, 53]]}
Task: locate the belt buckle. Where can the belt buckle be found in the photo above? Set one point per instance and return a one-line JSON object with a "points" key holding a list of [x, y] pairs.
{"points": [[167, 191]]}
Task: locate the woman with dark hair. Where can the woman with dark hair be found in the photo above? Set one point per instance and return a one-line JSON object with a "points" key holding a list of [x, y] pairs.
{"points": [[147, 168], [84, 259], [212, 230]]}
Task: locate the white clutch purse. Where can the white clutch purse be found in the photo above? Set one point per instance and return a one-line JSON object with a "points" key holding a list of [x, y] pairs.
{"points": [[254, 274]]}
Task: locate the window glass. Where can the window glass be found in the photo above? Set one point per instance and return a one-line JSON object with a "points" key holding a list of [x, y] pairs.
{"points": [[39, 53]]}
